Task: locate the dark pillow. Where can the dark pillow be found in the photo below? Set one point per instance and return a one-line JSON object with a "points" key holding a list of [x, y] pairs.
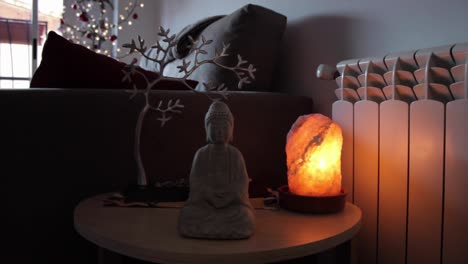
{"points": [[252, 31], [68, 65]]}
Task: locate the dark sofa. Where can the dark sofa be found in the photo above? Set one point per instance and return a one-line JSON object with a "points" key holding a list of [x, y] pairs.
{"points": [[60, 146]]}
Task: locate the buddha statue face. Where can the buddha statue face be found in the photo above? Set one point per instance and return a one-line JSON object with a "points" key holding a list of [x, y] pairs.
{"points": [[219, 132], [219, 123]]}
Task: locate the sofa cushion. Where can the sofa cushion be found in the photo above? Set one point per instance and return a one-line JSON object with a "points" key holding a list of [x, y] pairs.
{"points": [[254, 32], [184, 45], [63, 145], [68, 65]]}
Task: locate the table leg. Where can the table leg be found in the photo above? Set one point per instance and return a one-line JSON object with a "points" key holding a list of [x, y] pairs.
{"points": [[337, 255], [344, 252], [108, 257]]}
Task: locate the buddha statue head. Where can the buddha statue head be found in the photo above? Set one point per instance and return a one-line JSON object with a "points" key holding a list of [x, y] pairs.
{"points": [[219, 123]]}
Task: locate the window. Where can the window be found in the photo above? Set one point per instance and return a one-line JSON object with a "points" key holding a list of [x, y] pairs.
{"points": [[17, 61]]}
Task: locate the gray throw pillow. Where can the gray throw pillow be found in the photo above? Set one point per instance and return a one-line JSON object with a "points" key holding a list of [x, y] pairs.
{"points": [[252, 31], [184, 45]]}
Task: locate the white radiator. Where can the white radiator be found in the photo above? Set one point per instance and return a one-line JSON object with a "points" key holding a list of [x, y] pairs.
{"points": [[405, 155]]}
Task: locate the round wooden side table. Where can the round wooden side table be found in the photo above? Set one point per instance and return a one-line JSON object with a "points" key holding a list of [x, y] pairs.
{"points": [[150, 234]]}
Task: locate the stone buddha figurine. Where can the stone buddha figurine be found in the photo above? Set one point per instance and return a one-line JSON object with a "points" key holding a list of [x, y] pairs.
{"points": [[218, 206]]}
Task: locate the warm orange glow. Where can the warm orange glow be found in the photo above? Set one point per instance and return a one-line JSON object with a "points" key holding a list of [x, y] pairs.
{"points": [[313, 151]]}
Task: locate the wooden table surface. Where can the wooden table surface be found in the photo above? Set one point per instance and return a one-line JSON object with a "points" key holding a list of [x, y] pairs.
{"points": [[151, 234]]}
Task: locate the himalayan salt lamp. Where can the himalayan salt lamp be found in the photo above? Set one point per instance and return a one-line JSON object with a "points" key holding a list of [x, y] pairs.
{"points": [[313, 152]]}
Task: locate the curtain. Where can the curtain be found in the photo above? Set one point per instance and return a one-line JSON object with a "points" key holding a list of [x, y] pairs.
{"points": [[16, 31]]}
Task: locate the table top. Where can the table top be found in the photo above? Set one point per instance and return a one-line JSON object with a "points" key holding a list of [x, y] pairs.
{"points": [[151, 234]]}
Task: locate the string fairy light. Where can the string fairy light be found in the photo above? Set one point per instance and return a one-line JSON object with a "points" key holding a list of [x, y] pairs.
{"points": [[94, 24]]}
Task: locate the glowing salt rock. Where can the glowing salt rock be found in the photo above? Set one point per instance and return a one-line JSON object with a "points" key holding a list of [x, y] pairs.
{"points": [[313, 151]]}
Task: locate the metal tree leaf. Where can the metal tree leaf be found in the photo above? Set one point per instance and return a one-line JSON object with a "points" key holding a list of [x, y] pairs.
{"points": [[163, 119], [251, 71], [163, 32]]}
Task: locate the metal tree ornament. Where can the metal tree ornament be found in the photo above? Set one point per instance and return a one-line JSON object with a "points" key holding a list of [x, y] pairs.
{"points": [[243, 70]]}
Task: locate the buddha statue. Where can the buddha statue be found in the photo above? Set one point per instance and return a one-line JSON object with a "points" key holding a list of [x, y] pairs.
{"points": [[218, 206]]}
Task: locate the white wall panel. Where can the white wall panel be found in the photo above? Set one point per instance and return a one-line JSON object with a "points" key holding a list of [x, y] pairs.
{"points": [[343, 115], [366, 162], [393, 168], [456, 183], [425, 181]]}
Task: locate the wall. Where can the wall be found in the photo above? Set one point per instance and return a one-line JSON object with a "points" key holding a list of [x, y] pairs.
{"points": [[328, 31]]}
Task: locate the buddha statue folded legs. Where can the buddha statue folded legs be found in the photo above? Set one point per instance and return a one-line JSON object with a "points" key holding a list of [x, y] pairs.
{"points": [[218, 206]]}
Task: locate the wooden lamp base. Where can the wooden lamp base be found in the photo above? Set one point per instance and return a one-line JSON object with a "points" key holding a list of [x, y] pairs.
{"points": [[311, 204]]}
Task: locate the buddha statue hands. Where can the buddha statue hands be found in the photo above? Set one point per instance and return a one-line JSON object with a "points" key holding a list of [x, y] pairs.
{"points": [[218, 206]]}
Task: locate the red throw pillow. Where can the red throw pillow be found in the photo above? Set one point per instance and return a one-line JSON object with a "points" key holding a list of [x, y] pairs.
{"points": [[68, 65]]}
